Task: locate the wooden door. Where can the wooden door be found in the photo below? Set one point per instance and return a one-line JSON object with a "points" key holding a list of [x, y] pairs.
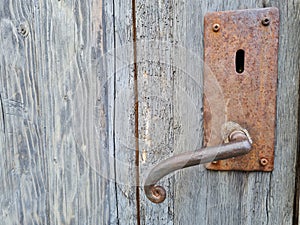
{"points": [[94, 93]]}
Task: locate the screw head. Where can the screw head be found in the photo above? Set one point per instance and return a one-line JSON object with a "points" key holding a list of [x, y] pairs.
{"points": [[264, 161], [216, 27], [265, 21]]}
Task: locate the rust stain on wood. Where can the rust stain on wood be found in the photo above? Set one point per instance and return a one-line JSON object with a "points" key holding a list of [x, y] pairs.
{"points": [[247, 94]]}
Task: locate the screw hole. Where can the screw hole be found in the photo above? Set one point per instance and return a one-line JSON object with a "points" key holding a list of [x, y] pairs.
{"points": [[266, 21]]}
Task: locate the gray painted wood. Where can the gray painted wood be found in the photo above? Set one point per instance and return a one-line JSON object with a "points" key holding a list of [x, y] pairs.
{"points": [[67, 121]]}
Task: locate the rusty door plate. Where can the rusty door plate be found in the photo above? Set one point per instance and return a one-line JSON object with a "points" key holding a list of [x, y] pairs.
{"points": [[240, 82]]}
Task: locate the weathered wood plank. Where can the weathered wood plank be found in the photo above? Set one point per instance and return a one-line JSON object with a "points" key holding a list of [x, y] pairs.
{"points": [[280, 205], [67, 116], [206, 197], [71, 38], [221, 198], [154, 21], [23, 185], [125, 114]]}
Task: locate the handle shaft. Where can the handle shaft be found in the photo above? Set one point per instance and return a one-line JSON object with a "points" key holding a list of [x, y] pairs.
{"points": [[240, 144]]}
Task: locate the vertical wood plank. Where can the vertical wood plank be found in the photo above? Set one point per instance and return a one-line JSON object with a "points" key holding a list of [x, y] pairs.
{"points": [[200, 195], [208, 197], [124, 114], [23, 182], [71, 39], [280, 206], [191, 184], [154, 21]]}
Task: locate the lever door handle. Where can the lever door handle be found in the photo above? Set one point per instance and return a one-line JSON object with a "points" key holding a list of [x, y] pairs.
{"points": [[237, 142]]}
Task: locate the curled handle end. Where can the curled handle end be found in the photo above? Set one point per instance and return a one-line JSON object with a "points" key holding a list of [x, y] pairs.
{"points": [[237, 142], [155, 193]]}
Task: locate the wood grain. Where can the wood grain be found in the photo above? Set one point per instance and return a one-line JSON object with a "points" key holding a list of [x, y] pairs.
{"points": [[124, 116], [67, 116], [23, 198], [155, 94], [74, 104], [56, 165], [200, 195]]}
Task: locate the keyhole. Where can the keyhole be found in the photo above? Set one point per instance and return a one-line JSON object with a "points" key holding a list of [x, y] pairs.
{"points": [[240, 61]]}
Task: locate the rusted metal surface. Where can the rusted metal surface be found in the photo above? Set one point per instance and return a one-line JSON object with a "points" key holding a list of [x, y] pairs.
{"points": [[239, 143], [248, 98]]}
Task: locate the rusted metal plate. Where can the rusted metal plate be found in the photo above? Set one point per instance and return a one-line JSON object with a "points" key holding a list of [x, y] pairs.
{"points": [[240, 82]]}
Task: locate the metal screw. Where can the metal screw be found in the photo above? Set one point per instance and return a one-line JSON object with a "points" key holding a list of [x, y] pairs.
{"points": [[266, 21], [216, 27], [264, 161]]}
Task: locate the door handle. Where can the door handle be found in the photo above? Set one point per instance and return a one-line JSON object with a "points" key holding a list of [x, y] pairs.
{"points": [[237, 142]]}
